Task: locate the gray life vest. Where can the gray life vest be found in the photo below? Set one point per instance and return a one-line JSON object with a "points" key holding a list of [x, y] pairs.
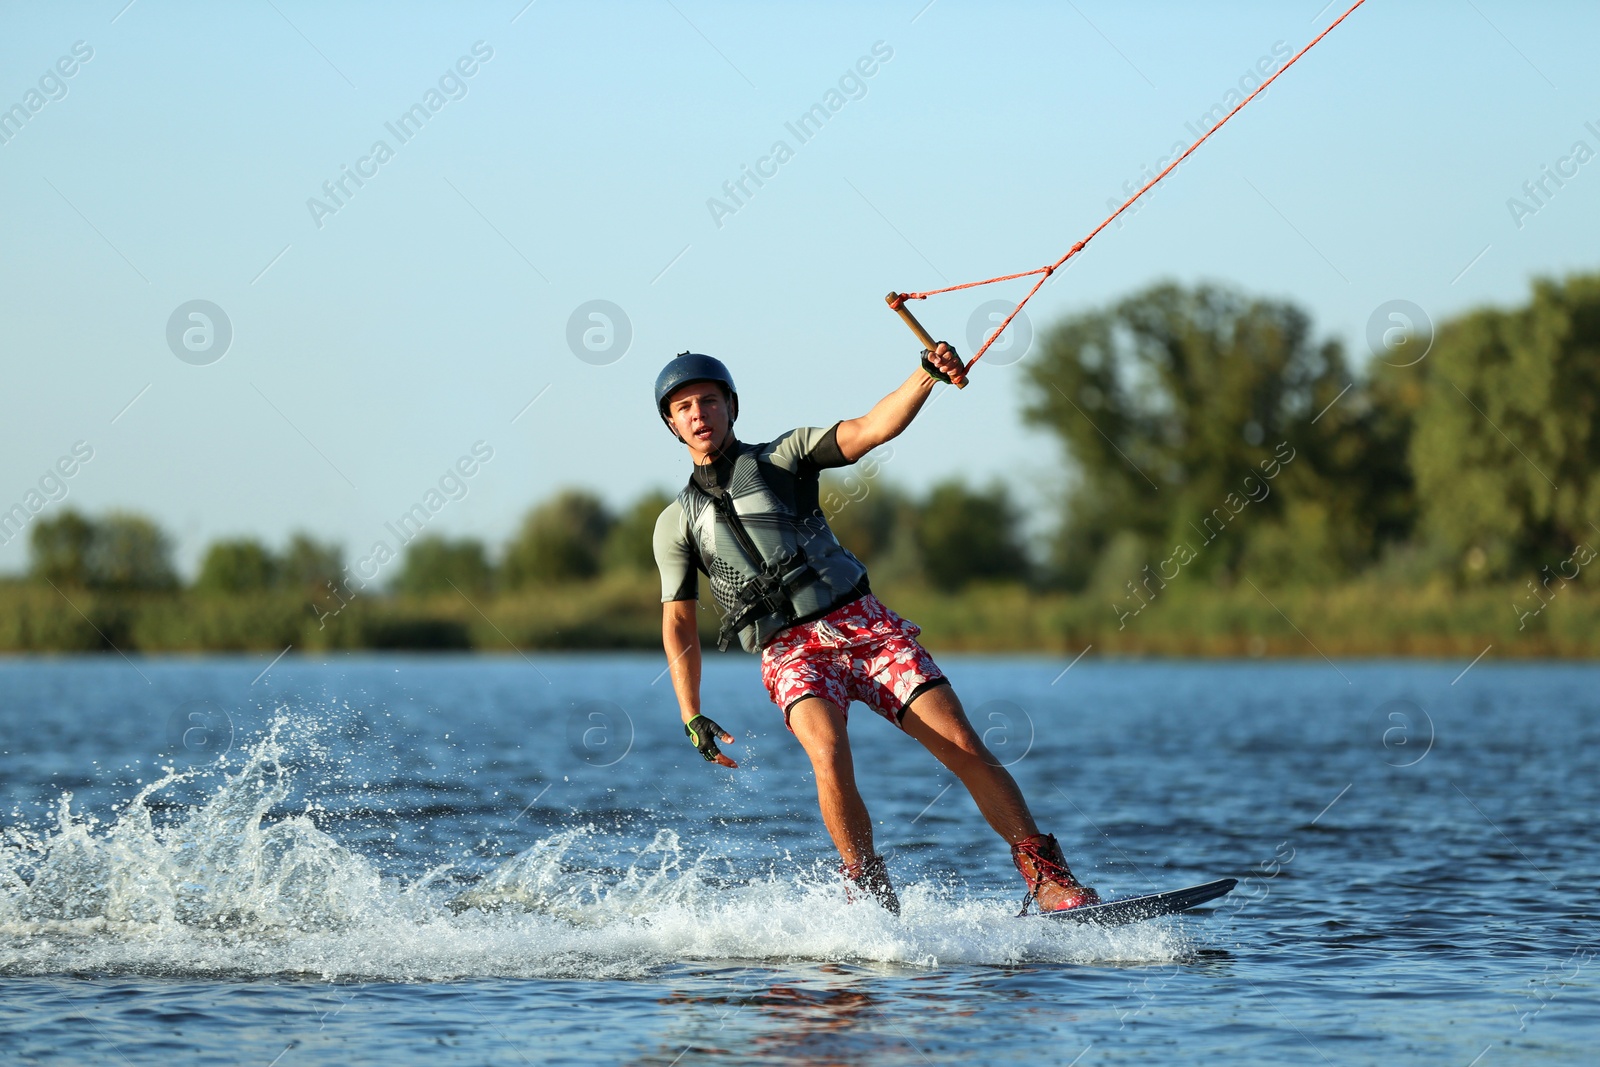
{"points": [[769, 566]]}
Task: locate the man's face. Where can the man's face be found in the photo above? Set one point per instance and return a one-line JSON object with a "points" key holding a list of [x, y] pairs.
{"points": [[700, 416]]}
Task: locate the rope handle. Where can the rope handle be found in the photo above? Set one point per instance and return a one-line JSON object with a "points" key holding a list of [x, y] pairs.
{"points": [[897, 300]]}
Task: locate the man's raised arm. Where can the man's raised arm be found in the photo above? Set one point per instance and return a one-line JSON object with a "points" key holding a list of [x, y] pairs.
{"points": [[894, 412]]}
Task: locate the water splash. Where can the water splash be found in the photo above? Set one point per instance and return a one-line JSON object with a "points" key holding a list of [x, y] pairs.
{"points": [[225, 886]]}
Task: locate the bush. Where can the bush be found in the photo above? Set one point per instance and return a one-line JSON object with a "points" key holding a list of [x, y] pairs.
{"points": [[560, 541], [964, 536], [628, 545], [309, 566], [439, 565], [122, 551], [232, 567]]}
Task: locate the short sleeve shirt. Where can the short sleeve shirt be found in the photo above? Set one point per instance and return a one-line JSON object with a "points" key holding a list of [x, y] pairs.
{"points": [[804, 452]]}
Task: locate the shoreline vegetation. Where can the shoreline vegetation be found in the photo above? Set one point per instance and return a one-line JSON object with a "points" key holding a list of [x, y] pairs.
{"points": [[1230, 485], [1362, 618]]}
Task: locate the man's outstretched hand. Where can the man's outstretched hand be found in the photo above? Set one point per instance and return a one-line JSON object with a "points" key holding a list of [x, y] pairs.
{"points": [[943, 364], [704, 735]]}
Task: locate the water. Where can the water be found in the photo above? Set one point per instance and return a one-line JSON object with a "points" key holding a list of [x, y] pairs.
{"points": [[479, 860]]}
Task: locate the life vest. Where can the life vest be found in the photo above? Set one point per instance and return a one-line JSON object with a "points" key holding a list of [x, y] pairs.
{"points": [[769, 567]]}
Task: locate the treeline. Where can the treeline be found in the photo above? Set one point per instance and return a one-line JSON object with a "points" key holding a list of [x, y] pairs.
{"points": [[1214, 450], [1211, 437], [953, 536], [574, 575], [572, 537]]}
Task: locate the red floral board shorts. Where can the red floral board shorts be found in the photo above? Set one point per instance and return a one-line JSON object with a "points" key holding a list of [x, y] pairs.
{"points": [[860, 651]]}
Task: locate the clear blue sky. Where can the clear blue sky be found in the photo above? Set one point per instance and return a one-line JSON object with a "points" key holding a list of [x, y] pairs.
{"points": [[370, 352]]}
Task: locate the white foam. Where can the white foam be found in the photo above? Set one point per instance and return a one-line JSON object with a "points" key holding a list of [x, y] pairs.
{"points": [[225, 890]]}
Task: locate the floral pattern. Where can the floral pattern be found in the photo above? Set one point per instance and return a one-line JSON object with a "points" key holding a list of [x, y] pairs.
{"points": [[861, 651]]}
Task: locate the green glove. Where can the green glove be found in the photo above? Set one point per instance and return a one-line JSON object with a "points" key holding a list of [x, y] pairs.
{"points": [[703, 734], [933, 372]]}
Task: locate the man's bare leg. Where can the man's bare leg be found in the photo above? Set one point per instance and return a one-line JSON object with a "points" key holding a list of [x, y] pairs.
{"points": [[820, 726], [937, 719]]}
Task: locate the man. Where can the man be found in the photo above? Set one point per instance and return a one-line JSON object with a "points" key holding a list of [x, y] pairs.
{"points": [[749, 519]]}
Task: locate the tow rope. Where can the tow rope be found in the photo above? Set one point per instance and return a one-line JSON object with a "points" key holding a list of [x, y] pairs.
{"points": [[897, 301]]}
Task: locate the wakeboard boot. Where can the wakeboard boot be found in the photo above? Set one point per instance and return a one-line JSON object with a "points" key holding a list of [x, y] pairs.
{"points": [[870, 878], [1050, 883]]}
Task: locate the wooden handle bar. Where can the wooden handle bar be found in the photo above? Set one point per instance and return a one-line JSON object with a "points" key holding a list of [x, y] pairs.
{"points": [[895, 301]]}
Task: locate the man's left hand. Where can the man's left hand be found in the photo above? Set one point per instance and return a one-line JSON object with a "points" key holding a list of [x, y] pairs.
{"points": [[943, 364]]}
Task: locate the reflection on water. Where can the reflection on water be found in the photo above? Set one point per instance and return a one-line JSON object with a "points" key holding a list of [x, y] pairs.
{"points": [[832, 1017]]}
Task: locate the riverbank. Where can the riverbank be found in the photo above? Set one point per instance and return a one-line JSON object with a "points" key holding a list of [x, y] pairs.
{"points": [[1355, 619]]}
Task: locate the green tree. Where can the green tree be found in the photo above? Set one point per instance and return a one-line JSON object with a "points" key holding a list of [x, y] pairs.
{"points": [[244, 565], [129, 552], [628, 545], [439, 565], [1505, 446], [310, 566], [864, 513], [965, 535], [58, 549], [876, 521], [560, 540], [1169, 400]]}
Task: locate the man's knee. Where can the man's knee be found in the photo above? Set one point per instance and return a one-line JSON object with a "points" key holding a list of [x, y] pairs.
{"points": [[967, 750]]}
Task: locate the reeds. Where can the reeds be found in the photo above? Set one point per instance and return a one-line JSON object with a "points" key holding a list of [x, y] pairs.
{"points": [[1361, 618]]}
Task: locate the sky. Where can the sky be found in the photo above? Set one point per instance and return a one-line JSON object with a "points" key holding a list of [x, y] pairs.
{"points": [[243, 352]]}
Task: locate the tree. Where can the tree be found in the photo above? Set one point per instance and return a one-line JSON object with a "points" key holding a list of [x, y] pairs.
{"points": [[1505, 444], [875, 520], [862, 512], [310, 566], [628, 545], [58, 549], [964, 535], [560, 540], [128, 552], [244, 565], [1167, 402], [438, 565]]}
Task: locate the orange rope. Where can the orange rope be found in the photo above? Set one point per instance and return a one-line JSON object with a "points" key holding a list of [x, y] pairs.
{"points": [[1109, 219]]}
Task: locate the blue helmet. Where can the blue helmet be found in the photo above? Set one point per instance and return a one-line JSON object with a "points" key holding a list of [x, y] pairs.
{"points": [[689, 367]]}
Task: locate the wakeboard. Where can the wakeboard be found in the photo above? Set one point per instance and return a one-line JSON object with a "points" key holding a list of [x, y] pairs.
{"points": [[1149, 906]]}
